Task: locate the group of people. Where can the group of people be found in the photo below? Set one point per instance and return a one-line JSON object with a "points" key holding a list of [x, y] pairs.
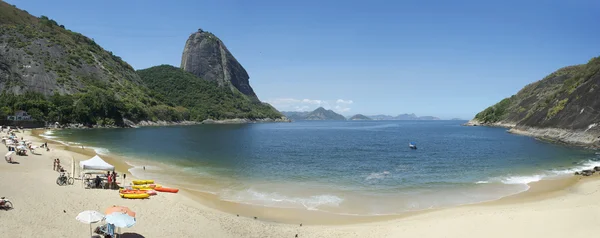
{"points": [[112, 178], [56, 166]]}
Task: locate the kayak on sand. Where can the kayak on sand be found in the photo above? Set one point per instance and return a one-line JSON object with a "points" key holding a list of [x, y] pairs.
{"points": [[167, 190]]}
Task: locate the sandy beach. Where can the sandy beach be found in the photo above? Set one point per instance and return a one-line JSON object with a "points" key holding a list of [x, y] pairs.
{"points": [[551, 208]]}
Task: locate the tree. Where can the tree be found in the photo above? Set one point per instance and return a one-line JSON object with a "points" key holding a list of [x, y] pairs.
{"points": [[36, 114], [5, 112]]}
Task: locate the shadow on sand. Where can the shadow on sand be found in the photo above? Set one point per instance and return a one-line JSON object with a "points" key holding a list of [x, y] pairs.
{"points": [[130, 235]]}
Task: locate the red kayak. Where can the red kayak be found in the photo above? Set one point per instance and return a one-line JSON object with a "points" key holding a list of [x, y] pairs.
{"points": [[167, 190]]}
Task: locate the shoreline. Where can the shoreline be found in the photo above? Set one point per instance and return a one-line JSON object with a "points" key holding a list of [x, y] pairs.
{"points": [[130, 124], [538, 189], [589, 138]]}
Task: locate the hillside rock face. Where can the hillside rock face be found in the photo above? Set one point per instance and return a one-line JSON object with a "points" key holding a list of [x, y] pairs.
{"points": [[37, 54], [206, 56], [568, 99]]}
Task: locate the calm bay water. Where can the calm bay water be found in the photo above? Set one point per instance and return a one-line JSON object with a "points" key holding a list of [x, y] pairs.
{"points": [[350, 167]]}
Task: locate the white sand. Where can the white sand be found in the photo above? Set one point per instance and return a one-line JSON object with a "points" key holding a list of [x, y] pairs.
{"points": [[44, 209]]}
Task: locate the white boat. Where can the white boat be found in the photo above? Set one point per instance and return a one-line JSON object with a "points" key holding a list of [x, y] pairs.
{"points": [[412, 145]]}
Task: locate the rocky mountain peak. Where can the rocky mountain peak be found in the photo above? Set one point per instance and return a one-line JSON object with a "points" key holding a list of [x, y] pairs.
{"points": [[207, 57]]}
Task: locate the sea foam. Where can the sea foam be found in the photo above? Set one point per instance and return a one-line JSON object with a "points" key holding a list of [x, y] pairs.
{"points": [[253, 197], [380, 175], [100, 150], [553, 173]]}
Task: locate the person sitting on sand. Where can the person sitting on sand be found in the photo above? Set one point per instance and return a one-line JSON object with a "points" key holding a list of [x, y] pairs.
{"points": [[97, 181]]}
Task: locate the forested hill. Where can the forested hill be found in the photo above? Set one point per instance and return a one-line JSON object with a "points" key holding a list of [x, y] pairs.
{"points": [[567, 99], [59, 75], [204, 99]]}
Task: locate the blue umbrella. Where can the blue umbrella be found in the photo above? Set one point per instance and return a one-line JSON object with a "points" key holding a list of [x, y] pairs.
{"points": [[120, 220]]}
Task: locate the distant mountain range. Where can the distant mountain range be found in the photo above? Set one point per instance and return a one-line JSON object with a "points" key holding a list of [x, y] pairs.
{"points": [[323, 114], [411, 116], [359, 117], [318, 114]]}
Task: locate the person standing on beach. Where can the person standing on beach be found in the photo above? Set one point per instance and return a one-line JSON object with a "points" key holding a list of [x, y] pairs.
{"points": [[109, 180], [115, 177], [54, 165]]}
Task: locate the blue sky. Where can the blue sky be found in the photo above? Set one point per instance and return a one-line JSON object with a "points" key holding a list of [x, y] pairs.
{"points": [[440, 58]]}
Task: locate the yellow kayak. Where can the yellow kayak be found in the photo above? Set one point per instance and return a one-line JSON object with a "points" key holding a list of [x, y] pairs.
{"points": [[140, 182], [135, 195]]}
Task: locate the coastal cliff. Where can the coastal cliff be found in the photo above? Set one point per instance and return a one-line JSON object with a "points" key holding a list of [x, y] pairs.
{"points": [[562, 107]]}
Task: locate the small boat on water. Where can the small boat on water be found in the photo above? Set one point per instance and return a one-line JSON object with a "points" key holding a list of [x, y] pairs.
{"points": [[412, 145]]}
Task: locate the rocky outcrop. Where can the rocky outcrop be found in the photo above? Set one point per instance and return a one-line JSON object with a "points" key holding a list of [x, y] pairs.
{"points": [[165, 123], [572, 137], [562, 107], [39, 55], [475, 122], [205, 56], [244, 121]]}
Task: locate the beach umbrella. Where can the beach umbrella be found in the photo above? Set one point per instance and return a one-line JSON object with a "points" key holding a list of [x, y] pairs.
{"points": [[119, 209], [89, 217], [120, 220]]}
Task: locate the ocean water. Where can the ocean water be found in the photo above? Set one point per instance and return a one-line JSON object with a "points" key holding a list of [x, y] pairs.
{"points": [[344, 167]]}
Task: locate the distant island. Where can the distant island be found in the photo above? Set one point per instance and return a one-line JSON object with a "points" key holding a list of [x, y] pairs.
{"points": [[411, 116], [358, 117], [318, 114]]}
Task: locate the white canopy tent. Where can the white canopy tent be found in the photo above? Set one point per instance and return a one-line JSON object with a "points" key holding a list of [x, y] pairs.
{"points": [[96, 163], [93, 165]]}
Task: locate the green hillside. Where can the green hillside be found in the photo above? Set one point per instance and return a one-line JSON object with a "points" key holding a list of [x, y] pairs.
{"points": [[567, 98], [59, 75], [205, 99]]}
